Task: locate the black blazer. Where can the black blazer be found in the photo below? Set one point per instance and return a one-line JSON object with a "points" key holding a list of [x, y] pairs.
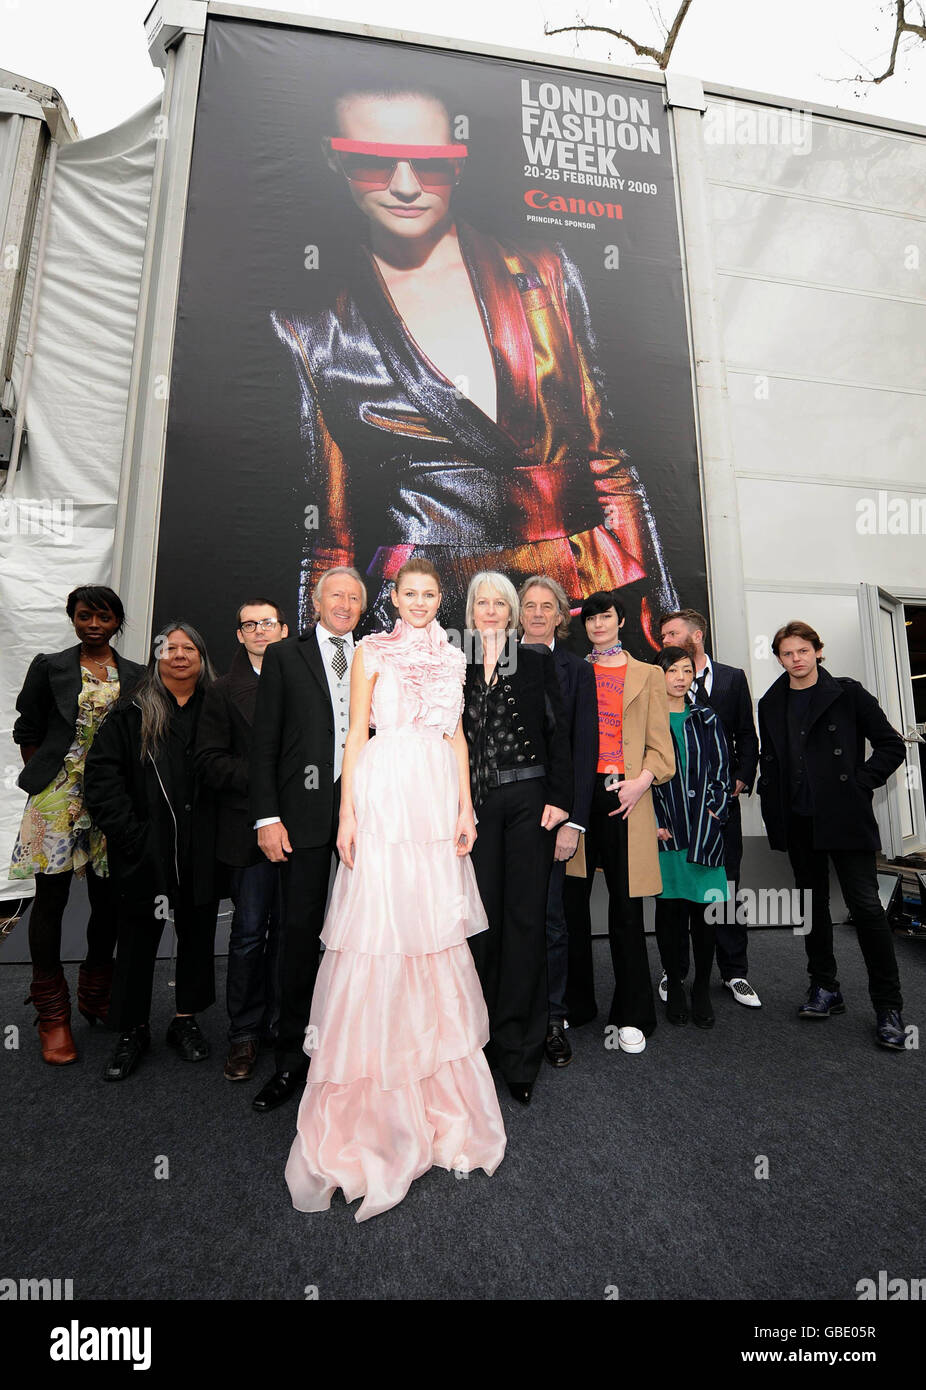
{"points": [[223, 750], [293, 733], [534, 689], [580, 704], [731, 699], [135, 805], [47, 707], [842, 715]]}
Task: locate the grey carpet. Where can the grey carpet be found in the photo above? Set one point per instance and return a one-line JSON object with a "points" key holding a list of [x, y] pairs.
{"points": [[635, 1172]]}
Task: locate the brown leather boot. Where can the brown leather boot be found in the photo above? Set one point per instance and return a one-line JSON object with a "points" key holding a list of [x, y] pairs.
{"points": [[53, 1006], [94, 984]]}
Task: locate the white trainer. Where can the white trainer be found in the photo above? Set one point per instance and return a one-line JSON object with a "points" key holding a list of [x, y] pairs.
{"points": [[744, 993], [631, 1040], [663, 988]]}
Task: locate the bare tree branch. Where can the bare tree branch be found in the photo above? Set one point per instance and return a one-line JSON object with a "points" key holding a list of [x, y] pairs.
{"points": [[902, 26], [660, 56]]}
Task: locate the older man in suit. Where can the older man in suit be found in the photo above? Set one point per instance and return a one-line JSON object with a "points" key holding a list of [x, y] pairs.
{"points": [[726, 690], [545, 617], [300, 725]]}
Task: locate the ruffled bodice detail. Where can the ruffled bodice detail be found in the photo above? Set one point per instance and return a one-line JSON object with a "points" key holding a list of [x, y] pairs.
{"points": [[420, 681]]}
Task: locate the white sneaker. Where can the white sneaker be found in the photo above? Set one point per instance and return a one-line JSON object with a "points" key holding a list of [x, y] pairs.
{"points": [[631, 1040], [663, 988], [744, 993]]}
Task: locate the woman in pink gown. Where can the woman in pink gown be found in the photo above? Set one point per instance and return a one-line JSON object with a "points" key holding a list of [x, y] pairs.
{"points": [[397, 1081]]}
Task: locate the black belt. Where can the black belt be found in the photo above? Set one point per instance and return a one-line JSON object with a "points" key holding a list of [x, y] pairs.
{"points": [[514, 774]]}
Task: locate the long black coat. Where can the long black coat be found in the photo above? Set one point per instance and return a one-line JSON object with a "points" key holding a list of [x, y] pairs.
{"points": [[293, 732], [223, 750], [47, 707], [842, 715], [135, 805]]}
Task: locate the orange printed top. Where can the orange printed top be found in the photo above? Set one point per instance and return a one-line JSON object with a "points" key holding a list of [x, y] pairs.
{"points": [[610, 683]]}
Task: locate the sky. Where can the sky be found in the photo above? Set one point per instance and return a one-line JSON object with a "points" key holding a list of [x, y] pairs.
{"points": [[94, 51]]}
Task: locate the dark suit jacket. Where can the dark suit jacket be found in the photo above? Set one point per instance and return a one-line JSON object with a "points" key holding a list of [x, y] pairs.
{"points": [[223, 750], [533, 691], [842, 715], [47, 707], [580, 704], [731, 699], [292, 742]]}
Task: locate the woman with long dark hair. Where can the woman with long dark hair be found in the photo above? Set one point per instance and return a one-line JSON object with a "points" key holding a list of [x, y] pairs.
{"points": [[690, 811], [61, 704], [159, 821]]}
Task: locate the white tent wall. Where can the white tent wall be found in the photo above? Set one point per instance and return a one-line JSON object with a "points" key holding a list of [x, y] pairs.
{"points": [[57, 530]]}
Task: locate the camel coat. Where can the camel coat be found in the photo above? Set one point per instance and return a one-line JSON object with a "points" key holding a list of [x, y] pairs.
{"points": [[648, 747]]}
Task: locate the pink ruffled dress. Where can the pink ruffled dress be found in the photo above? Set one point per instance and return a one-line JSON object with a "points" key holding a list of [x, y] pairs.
{"points": [[398, 1082]]}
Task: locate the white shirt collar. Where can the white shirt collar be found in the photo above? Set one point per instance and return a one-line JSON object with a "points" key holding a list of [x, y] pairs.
{"points": [[325, 636]]}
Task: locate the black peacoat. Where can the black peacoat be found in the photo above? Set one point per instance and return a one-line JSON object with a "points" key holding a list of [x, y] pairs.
{"points": [[841, 717], [135, 805], [223, 750], [47, 707]]}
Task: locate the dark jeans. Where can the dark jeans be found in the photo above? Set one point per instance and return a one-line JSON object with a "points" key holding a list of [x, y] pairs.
{"points": [[511, 858], [253, 985], [305, 892], [139, 936], [47, 912], [855, 869], [633, 1004], [557, 943]]}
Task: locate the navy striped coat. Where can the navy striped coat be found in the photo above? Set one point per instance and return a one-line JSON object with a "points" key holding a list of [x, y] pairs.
{"points": [[684, 807]]}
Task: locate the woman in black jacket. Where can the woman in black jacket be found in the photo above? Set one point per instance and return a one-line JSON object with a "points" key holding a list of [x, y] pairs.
{"points": [[61, 704], [522, 783], [159, 821]]}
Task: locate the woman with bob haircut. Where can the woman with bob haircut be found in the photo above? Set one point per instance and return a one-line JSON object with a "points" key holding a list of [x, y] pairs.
{"points": [[522, 786], [634, 752], [690, 810]]}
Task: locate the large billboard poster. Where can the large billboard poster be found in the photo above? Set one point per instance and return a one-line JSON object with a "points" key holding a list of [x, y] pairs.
{"points": [[431, 303]]}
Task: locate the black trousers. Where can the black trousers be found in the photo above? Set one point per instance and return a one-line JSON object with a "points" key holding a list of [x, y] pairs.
{"points": [[47, 913], [632, 1004], [306, 875], [512, 858], [732, 937], [855, 869], [139, 937], [675, 919]]}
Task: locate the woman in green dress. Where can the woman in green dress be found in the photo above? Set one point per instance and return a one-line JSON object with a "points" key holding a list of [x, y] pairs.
{"points": [[61, 704], [690, 811]]}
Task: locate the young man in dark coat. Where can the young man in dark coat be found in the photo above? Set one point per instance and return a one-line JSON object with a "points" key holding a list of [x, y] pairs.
{"points": [[223, 748], [159, 821], [816, 786]]}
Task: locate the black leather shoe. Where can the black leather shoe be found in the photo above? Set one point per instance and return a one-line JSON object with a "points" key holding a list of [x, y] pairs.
{"points": [[130, 1049], [521, 1091], [676, 1003], [279, 1088], [186, 1036], [556, 1048], [890, 1030]]}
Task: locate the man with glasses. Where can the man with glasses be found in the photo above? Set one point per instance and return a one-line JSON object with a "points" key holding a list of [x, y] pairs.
{"points": [[450, 397], [223, 749]]}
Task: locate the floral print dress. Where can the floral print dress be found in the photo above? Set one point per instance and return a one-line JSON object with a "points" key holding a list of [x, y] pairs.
{"points": [[56, 832]]}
